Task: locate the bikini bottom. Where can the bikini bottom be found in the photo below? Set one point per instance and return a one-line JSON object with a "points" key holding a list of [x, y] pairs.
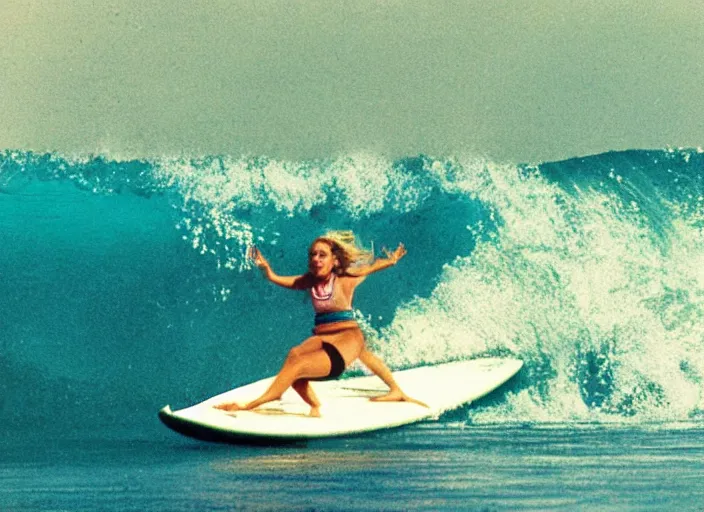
{"points": [[337, 363]]}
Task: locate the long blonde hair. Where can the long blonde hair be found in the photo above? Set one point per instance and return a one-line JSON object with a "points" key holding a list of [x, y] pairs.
{"points": [[346, 249]]}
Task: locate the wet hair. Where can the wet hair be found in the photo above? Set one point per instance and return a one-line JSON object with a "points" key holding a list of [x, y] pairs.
{"points": [[346, 249]]}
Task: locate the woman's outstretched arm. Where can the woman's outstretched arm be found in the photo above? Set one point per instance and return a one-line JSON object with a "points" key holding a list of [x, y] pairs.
{"points": [[292, 282], [379, 264]]}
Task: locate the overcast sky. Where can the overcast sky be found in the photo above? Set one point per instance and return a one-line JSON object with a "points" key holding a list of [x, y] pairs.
{"points": [[520, 81]]}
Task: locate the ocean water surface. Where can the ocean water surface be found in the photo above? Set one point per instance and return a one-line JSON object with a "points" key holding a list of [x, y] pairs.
{"points": [[124, 286]]}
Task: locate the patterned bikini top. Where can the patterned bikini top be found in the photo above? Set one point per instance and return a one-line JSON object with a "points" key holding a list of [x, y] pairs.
{"points": [[326, 297]]}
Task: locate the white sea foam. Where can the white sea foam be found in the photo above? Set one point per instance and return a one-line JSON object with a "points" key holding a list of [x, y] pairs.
{"points": [[567, 274], [214, 189]]}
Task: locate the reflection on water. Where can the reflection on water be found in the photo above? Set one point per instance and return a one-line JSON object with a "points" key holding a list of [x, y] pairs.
{"points": [[328, 461]]}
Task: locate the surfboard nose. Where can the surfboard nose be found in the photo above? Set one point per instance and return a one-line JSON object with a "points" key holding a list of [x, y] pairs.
{"points": [[164, 413]]}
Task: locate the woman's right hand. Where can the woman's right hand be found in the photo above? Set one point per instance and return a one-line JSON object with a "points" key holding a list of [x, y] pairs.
{"points": [[258, 259], [396, 255]]}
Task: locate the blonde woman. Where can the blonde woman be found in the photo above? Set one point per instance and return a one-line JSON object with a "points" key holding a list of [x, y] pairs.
{"points": [[336, 266]]}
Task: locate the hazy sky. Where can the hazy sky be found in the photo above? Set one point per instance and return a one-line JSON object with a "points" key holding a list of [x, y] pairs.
{"points": [[522, 81]]}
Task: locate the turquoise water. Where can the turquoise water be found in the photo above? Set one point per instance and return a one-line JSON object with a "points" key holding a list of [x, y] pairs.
{"points": [[436, 466], [124, 287]]}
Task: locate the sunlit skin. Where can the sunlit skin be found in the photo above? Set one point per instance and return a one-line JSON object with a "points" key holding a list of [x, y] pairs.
{"points": [[308, 360]]}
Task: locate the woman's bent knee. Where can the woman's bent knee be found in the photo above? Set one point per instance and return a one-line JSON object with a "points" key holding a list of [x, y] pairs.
{"points": [[294, 355]]}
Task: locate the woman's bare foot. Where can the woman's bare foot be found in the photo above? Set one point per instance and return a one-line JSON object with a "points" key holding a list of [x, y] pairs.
{"points": [[229, 407], [398, 396], [314, 412]]}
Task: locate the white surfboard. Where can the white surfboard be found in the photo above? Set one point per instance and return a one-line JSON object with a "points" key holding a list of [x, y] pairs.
{"points": [[346, 406]]}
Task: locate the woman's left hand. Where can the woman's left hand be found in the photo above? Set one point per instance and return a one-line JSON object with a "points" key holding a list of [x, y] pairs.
{"points": [[399, 253]]}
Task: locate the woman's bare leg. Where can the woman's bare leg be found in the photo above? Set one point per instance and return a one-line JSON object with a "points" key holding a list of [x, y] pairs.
{"points": [[379, 368], [303, 388], [305, 361], [298, 365]]}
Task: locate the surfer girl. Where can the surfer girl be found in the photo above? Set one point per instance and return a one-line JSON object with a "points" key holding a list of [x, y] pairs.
{"points": [[336, 266]]}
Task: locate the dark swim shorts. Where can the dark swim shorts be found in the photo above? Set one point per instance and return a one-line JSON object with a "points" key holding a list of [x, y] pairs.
{"points": [[337, 363]]}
